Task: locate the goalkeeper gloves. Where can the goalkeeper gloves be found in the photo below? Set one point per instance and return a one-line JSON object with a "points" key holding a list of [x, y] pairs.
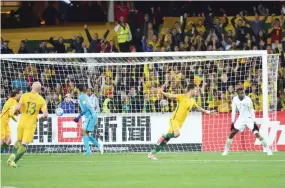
{"points": [[76, 119]]}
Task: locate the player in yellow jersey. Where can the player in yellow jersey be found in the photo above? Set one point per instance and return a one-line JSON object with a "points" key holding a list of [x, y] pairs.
{"points": [[185, 102], [30, 105], [7, 113]]}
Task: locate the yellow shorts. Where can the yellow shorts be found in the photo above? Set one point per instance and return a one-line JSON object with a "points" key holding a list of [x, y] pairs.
{"points": [[5, 131], [26, 133], [174, 125]]}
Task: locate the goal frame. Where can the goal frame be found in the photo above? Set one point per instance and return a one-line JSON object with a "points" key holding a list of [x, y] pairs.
{"points": [[218, 54], [250, 53]]}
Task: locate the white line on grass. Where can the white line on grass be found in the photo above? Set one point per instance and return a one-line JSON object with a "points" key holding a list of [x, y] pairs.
{"points": [[164, 161]]}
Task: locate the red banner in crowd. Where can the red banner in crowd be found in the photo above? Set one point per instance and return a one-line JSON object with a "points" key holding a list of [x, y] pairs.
{"points": [[216, 130]]}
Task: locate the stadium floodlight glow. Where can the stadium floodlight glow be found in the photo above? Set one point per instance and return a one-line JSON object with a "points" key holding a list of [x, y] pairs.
{"points": [[67, 1]]}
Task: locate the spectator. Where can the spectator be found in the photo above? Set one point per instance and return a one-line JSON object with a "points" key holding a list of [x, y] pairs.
{"points": [[134, 21], [215, 23], [134, 86], [76, 44], [240, 30], [145, 47], [126, 107], [150, 32], [59, 46], [59, 90], [67, 105], [134, 101], [121, 10], [281, 102], [94, 101], [69, 87], [257, 25], [124, 35], [109, 104], [20, 83], [27, 16], [276, 33], [112, 47], [42, 48], [94, 42], [5, 49], [50, 14], [53, 102], [23, 48], [223, 103], [144, 26], [31, 73]]}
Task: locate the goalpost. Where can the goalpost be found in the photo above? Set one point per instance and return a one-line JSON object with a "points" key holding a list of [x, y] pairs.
{"points": [[138, 115]]}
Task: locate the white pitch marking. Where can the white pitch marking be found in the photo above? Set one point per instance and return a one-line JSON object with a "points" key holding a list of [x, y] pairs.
{"points": [[168, 161]]}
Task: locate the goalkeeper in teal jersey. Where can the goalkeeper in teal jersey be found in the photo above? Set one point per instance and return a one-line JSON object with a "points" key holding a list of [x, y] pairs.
{"points": [[89, 123]]}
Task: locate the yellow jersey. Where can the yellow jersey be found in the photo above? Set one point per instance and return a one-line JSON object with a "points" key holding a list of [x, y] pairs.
{"points": [[184, 105], [32, 103], [8, 110], [223, 106]]}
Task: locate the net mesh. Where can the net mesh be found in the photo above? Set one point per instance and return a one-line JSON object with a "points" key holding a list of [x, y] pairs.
{"points": [[132, 114]]}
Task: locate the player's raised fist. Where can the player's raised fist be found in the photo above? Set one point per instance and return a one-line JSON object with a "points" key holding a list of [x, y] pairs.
{"points": [[85, 26]]}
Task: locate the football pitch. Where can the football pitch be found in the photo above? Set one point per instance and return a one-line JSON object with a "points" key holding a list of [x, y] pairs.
{"points": [[173, 170]]}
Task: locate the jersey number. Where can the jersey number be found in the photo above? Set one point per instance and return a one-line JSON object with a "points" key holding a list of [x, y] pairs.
{"points": [[31, 109]]}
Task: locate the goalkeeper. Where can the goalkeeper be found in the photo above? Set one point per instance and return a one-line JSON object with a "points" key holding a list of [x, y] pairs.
{"points": [[185, 102], [89, 123]]}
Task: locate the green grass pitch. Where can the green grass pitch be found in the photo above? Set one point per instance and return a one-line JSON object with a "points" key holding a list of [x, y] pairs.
{"points": [[173, 170]]}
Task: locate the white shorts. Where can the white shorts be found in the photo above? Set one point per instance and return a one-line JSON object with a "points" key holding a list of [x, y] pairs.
{"points": [[240, 124]]}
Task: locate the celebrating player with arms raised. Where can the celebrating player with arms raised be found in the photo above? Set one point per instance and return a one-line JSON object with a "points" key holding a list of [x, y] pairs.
{"points": [[185, 102], [246, 118], [30, 105], [7, 113]]}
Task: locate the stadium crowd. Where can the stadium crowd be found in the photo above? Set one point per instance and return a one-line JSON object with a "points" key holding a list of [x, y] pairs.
{"points": [[133, 88]]}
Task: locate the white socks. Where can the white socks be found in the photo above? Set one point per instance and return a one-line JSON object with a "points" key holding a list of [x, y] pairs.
{"points": [[264, 144], [228, 144]]}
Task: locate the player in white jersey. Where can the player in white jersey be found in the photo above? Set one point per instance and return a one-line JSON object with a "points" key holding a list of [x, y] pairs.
{"points": [[246, 118]]}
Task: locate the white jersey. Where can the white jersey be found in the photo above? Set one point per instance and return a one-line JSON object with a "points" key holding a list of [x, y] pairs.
{"points": [[244, 107], [94, 102]]}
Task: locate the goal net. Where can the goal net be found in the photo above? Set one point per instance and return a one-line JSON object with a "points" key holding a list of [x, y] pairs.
{"points": [[132, 114]]}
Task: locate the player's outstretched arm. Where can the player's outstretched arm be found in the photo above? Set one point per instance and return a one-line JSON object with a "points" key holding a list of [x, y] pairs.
{"points": [[168, 95], [205, 111]]}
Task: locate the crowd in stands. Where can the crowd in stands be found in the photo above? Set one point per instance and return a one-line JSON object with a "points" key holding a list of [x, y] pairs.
{"points": [[133, 88]]}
